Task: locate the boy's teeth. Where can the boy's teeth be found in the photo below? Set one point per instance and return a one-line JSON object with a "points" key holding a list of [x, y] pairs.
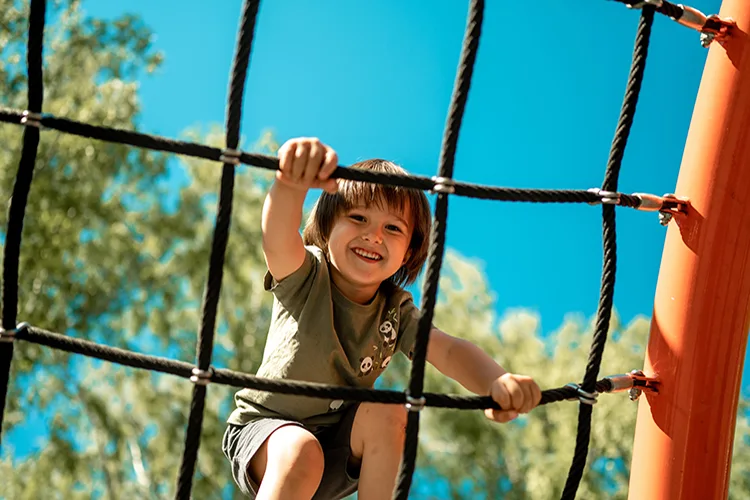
{"points": [[369, 255]]}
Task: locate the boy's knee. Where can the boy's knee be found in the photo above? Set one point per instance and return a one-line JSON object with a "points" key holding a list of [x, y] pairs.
{"points": [[385, 420], [297, 452]]}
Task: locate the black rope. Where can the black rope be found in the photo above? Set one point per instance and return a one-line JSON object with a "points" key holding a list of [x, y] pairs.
{"points": [[202, 372], [617, 152], [237, 379], [218, 248], [17, 209], [437, 244], [156, 143]]}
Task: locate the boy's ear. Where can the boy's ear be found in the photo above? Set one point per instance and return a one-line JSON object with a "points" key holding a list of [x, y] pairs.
{"points": [[407, 256]]}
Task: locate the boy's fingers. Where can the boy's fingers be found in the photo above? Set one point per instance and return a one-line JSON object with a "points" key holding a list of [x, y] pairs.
{"points": [[286, 158], [528, 396], [301, 156], [330, 162], [501, 416], [501, 396], [516, 393], [314, 162], [330, 185], [523, 402], [537, 392]]}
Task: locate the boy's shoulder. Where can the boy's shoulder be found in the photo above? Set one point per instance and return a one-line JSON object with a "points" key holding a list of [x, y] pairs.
{"points": [[313, 269], [317, 252]]}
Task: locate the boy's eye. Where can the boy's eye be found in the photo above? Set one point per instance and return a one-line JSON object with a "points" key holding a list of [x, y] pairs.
{"points": [[391, 227], [357, 217]]}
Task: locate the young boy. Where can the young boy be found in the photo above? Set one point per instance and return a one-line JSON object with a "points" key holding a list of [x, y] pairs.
{"points": [[339, 315]]}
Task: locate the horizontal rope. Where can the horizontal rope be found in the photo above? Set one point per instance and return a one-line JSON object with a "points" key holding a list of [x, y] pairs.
{"points": [[157, 143], [234, 378]]}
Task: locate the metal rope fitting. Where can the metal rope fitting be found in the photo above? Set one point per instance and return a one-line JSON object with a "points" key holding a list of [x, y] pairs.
{"points": [[231, 156], [583, 396], [634, 382], [415, 404], [443, 185], [649, 202], [8, 336], [712, 28], [666, 205], [692, 18], [606, 197], [621, 382], [31, 119], [642, 383], [716, 29], [674, 204], [202, 377]]}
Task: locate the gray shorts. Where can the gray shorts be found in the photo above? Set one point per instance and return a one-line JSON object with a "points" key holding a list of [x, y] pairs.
{"points": [[339, 480]]}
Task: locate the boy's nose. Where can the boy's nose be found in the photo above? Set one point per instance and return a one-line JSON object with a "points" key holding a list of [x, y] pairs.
{"points": [[373, 236]]}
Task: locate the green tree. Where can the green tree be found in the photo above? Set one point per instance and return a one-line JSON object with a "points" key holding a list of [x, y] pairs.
{"points": [[529, 457], [114, 252]]}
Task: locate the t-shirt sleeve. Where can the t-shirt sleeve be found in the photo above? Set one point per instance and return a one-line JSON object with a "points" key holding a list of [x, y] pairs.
{"points": [[408, 324], [293, 290]]}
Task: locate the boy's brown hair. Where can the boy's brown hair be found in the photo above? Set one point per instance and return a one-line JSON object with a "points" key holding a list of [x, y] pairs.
{"points": [[351, 193]]}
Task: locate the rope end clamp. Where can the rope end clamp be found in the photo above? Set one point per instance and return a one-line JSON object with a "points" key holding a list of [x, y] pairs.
{"points": [[634, 382], [668, 205], [712, 28]]}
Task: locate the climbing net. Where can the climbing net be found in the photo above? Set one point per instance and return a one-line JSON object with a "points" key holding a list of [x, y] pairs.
{"points": [[414, 398]]}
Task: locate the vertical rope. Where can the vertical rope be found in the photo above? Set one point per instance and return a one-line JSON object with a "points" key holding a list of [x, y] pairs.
{"points": [[17, 210], [437, 239], [617, 152], [219, 245]]}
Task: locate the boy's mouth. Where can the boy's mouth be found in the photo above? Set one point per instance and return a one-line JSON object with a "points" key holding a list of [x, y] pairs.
{"points": [[366, 255]]}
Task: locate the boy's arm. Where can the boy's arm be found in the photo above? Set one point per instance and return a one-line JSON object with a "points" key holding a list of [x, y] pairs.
{"points": [[281, 219], [463, 361], [304, 163], [475, 370]]}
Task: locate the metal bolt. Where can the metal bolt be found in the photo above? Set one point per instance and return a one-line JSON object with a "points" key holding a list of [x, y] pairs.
{"points": [[634, 393], [706, 39], [665, 218]]}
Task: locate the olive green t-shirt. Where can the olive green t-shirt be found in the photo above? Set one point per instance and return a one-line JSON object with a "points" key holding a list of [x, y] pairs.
{"points": [[318, 335]]}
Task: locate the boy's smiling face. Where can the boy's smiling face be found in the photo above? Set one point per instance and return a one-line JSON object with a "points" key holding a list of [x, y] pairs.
{"points": [[367, 245]]}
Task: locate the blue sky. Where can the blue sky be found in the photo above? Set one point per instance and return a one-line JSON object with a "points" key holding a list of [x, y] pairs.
{"points": [[374, 79]]}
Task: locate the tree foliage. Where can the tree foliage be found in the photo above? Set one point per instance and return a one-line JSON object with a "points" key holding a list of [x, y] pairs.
{"points": [[469, 456], [115, 249]]}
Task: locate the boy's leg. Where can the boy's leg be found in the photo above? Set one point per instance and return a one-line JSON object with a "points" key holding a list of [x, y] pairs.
{"points": [[377, 440], [289, 464]]}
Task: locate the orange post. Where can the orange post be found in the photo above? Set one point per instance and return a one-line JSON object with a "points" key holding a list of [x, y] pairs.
{"points": [[684, 434]]}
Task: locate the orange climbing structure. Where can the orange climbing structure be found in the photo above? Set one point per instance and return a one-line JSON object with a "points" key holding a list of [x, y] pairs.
{"points": [[684, 434]]}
